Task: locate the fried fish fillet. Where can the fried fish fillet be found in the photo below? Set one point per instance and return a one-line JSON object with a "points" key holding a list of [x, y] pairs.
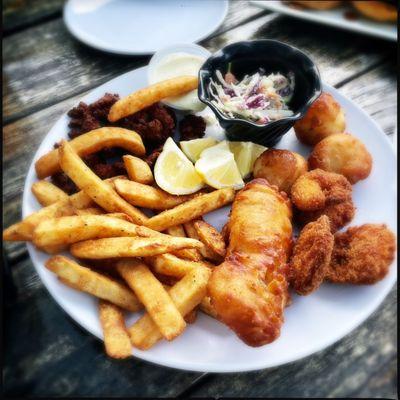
{"points": [[249, 290]]}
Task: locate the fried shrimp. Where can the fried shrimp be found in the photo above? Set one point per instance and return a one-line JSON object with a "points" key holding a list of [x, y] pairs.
{"points": [[325, 117], [362, 255], [319, 193], [344, 154], [311, 256]]}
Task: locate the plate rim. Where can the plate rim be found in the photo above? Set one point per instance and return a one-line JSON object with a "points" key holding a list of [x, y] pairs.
{"points": [[83, 39], [196, 366]]}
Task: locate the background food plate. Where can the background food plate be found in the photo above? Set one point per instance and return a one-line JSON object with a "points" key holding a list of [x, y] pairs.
{"points": [[334, 17], [311, 323]]}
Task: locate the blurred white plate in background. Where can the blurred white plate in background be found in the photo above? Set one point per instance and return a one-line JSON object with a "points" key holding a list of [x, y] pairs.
{"points": [[142, 27], [334, 17]]}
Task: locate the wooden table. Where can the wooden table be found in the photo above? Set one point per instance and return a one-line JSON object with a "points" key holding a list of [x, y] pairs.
{"points": [[46, 71]]}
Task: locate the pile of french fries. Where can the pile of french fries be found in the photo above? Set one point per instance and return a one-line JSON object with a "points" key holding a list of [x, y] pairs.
{"points": [[126, 259]]}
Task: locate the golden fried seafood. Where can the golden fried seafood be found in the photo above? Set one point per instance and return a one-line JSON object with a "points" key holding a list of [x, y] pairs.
{"points": [[325, 117], [378, 10], [319, 5], [344, 154], [311, 256], [317, 193], [280, 167], [249, 289], [362, 255]]}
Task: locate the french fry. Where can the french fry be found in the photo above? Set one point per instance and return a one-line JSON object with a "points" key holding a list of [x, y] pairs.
{"points": [[191, 316], [46, 193], [168, 264], [147, 196], [138, 170], [90, 143], [190, 254], [153, 296], [205, 251], [210, 237], [130, 246], [116, 337], [186, 294], [93, 186], [92, 282], [23, 230], [191, 209], [152, 94], [207, 307], [90, 211], [73, 229]]}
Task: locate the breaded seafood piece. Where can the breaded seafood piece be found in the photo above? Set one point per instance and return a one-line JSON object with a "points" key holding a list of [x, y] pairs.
{"points": [[319, 193], [311, 256], [324, 117], [362, 254], [319, 5], [280, 167], [344, 154]]}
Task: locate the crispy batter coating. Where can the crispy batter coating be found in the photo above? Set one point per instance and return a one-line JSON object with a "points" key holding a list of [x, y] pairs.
{"points": [[319, 5], [344, 154], [311, 256], [362, 255], [280, 167], [378, 10], [319, 193], [325, 117]]}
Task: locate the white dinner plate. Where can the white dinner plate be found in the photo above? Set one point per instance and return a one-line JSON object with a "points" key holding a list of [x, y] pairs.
{"points": [[138, 27], [311, 322], [334, 17]]}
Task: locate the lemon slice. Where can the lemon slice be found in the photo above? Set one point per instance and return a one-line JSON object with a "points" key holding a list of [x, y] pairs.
{"points": [[215, 150], [245, 154], [193, 148], [219, 170], [174, 172]]}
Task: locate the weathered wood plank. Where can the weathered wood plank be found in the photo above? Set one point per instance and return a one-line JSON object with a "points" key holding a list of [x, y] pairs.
{"points": [[20, 13], [45, 64], [359, 365], [48, 354]]}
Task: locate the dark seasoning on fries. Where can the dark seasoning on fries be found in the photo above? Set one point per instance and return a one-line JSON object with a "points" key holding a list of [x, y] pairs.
{"points": [[163, 263]]}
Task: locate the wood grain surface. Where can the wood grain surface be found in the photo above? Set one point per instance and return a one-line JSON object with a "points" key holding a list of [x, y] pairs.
{"points": [[45, 73]]}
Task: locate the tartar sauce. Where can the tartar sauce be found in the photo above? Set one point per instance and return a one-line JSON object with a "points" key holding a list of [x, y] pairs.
{"points": [[177, 64]]}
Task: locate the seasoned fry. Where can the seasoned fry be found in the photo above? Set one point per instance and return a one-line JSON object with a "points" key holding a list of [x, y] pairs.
{"points": [[90, 211], [152, 94], [46, 193], [168, 264], [190, 254], [191, 209], [186, 294], [210, 237], [206, 251], [130, 246], [96, 284], [73, 229], [90, 143], [146, 196], [138, 170], [116, 337], [93, 186], [153, 296]]}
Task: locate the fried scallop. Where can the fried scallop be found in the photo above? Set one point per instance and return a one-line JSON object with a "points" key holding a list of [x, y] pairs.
{"points": [[311, 256], [362, 255], [377, 10], [324, 117], [319, 192], [319, 5], [280, 167], [344, 154]]}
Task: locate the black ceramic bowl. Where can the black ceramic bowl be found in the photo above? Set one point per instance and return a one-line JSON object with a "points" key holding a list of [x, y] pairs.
{"points": [[273, 56]]}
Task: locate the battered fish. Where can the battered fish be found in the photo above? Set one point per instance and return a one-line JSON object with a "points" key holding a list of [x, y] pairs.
{"points": [[249, 290]]}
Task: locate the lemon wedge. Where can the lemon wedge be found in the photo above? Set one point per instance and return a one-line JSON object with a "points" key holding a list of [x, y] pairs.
{"points": [[219, 170], [245, 154], [193, 148], [214, 151], [174, 172]]}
